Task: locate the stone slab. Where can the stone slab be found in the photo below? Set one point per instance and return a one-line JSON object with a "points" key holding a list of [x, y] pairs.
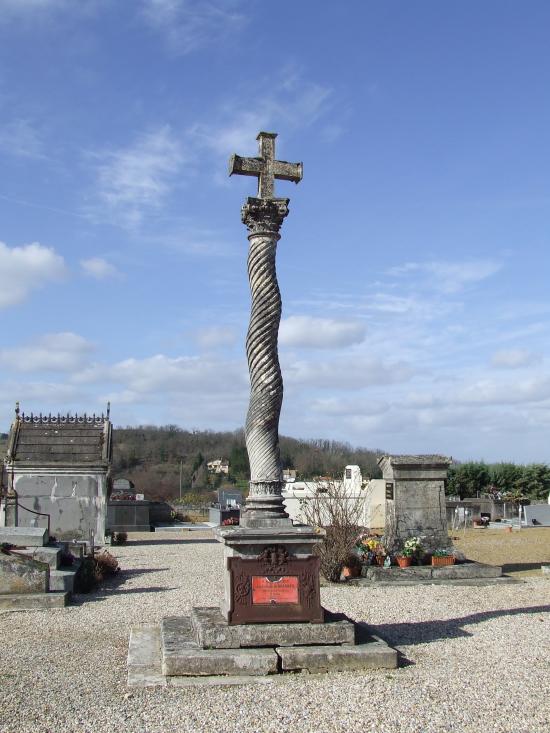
{"points": [[373, 654], [545, 569], [144, 666], [20, 574], [24, 536], [144, 651], [50, 555], [467, 571], [213, 632], [181, 655], [33, 601], [464, 571]]}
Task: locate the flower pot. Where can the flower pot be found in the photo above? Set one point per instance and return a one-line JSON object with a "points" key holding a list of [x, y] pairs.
{"points": [[380, 560], [351, 572], [439, 562], [404, 562]]}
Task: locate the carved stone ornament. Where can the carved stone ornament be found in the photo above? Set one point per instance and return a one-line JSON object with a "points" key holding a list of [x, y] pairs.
{"points": [[264, 216], [274, 560]]}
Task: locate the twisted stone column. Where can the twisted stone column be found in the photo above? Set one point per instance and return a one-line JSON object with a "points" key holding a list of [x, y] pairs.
{"points": [[264, 504]]}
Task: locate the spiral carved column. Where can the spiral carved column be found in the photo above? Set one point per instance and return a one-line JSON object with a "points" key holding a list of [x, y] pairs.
{"points": [[264, 504]]}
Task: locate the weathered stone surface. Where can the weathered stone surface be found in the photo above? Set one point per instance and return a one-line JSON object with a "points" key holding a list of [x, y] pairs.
{"points": [[63, 580], [50, 555], [467, 570], [19, 574], [213, 632], [426, 573], [33, 601], [375, 654], [24, 536], [181, 655], [144, 650]]}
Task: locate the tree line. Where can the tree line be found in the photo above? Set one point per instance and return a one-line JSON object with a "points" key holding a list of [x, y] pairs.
{"points": [[160, 459], [501, 480]]}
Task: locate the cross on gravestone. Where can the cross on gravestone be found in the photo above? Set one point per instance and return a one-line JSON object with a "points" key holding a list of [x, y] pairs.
{"points": [[265, 167]]}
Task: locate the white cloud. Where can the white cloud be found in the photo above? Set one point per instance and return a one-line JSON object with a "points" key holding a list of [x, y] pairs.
{"points": [[139, 178], [63, 352], [25, 269], [291, 104], [216, 337], [320, 333], [190, 24], [514, 358], [450, 277], [20, 138], [98, 268], [348, 373], [164, 374]]}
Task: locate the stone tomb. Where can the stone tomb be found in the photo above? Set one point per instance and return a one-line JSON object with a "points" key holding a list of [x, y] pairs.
{"points": [[415, 498]]}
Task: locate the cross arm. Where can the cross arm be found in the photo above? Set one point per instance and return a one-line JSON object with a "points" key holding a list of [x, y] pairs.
{"points": [[288, 171], [245, 166]]}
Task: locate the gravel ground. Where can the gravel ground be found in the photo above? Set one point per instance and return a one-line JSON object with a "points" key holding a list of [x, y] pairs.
{"points": [[473, 658]]}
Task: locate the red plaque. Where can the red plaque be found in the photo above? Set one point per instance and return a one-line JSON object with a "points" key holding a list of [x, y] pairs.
{"points": [[274, 590]]}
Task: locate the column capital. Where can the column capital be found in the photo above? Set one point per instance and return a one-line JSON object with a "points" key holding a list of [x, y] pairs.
{"points": [[264, 216]]}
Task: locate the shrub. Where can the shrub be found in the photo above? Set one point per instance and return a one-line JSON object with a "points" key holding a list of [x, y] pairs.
{"points": [[119, 538], [93, 570]]}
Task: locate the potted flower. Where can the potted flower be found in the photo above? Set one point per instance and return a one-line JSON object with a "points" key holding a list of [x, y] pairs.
{"points": [[411, 552], [404, 558], [442, 556]]}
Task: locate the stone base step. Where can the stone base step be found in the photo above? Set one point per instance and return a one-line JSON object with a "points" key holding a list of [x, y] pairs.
{"points": [[419, 573], [33, 601], [24, 536], [63, 580], [145, 667], [50, 555], [172, 652]]}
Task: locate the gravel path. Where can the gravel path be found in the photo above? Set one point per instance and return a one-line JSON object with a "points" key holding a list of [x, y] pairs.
{"points": [[474, 659]]}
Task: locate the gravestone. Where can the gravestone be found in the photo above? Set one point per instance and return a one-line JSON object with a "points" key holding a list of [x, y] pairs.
{"points": [[415, 499]]}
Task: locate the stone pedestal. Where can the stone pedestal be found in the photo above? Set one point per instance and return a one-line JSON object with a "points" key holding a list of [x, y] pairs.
{"points": [[415, 499], [270, 574], [204, 649]]}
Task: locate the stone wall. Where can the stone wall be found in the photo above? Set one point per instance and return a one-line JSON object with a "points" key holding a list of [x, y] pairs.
{"points": [[76, 502]]}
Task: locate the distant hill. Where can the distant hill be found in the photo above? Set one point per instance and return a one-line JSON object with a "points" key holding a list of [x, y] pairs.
{"points": [[154, 458]]}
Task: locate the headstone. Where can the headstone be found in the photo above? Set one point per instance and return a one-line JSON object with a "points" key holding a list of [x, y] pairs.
{"points": [[417, 507]]}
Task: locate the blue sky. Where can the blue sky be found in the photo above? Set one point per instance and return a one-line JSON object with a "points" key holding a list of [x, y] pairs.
{"points": [[414, 263]]}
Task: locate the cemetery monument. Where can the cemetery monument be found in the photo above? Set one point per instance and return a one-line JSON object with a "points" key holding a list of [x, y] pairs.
{"points": [[270, 619]]}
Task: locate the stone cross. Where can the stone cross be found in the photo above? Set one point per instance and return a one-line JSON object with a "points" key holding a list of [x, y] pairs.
{"points": [[265, 167], [263, 217]]}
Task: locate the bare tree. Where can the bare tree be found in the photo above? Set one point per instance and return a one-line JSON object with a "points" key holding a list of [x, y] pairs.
{"points": [[335, 508]]}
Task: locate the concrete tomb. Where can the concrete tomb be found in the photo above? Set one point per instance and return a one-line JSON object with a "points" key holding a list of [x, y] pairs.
{"points": [[58, 470]]}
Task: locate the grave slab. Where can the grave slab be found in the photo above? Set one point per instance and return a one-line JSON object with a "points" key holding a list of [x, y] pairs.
{"points": [[213, 632]]}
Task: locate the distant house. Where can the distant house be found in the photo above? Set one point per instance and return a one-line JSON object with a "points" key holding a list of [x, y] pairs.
{"points": [[60, 466], [220, 465]]}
